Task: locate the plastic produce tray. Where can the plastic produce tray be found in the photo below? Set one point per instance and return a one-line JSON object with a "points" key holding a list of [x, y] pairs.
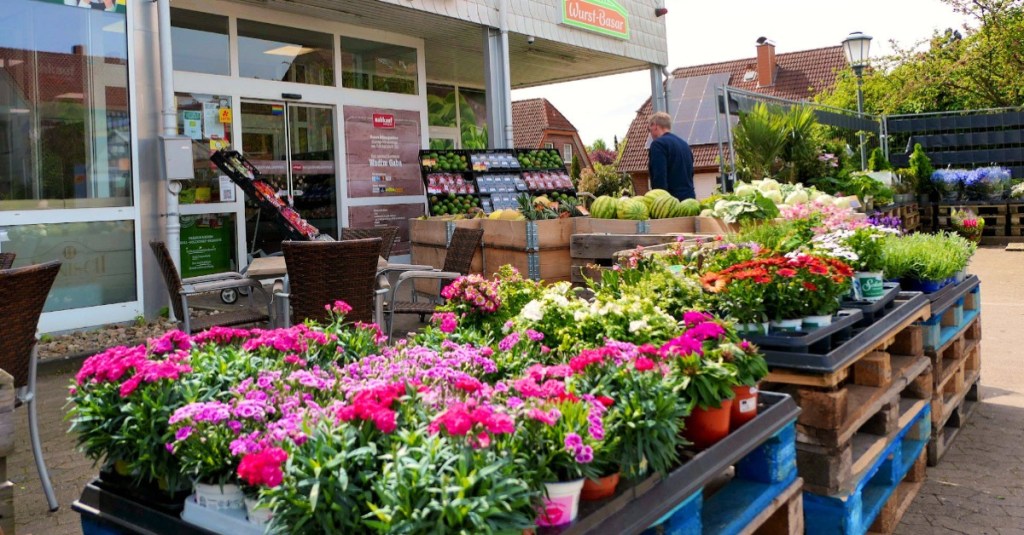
{"points": [[873, 310], [820, 340], [106, 511], [861, 341]]}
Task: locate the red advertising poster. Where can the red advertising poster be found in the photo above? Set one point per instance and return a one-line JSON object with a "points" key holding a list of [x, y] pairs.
{"points": [[382, 151], [394, 215]]}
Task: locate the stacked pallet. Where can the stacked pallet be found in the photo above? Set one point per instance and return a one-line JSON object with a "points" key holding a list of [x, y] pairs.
{"points": [[994, 214], [929, 211], [592, 253], [1015, 223], [951, 338], [910, 215], [864, 387]]}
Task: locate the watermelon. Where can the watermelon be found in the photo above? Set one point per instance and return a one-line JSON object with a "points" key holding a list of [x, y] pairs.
{"points": [[632, 209], [604, 207], [689, 208], [648, 201], [664, 207], [657, 194]]}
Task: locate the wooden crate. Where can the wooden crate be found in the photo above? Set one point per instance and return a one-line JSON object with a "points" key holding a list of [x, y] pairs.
{"points": [[979, 208], [714, 226], [670, 225], [600, 250], [538, 249], [433, 255]]}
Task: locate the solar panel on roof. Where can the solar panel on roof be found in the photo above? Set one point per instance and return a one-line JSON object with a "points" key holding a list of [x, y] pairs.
{"points": [[693, 107]]}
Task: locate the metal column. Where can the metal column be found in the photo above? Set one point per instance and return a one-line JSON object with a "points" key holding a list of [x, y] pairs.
{"points": [[658, 97], [498, 80]]}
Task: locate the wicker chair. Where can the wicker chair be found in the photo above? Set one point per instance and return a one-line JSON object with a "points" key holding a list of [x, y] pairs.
{"points": [[322, 272], [181, 289], [25, 290], [457, 261], [7, 260], [386, 234]]}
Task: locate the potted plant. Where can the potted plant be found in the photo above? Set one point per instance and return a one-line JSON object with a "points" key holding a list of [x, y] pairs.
{"points": [[202, 443], [869, 276], [968, 225], [739, 292], [258, 470], [926, 262]]}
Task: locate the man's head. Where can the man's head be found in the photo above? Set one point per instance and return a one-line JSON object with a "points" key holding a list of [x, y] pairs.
{"points": [[661, 124]]}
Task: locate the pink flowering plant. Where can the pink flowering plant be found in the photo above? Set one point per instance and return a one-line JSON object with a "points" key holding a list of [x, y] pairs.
{"points": [[644, 412], [202, 442], [697, 361], [120, 401], [556, 440]]}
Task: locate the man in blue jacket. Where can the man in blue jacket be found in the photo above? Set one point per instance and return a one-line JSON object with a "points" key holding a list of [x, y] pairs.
{"points": [[670, 160]]}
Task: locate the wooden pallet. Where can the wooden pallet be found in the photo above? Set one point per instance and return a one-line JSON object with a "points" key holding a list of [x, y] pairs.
{"points": [[883, 490], [981, 209], [952, 355], [948, 323], [946, 432], [1015, 207], [591, 252]]}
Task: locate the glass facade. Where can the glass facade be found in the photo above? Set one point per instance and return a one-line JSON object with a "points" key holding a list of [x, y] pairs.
{"points": [[270, 52], [200, 42], [378, 66], [206, 119], [65, 139]]}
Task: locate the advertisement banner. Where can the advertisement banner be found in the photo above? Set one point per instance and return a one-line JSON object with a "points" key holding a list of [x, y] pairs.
{"points": [[206, 244], [389, 215], [382, 152], [605, 17]]}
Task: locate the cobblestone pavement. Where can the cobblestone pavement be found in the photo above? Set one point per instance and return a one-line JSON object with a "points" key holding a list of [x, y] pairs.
{"points": [[978, 488]]}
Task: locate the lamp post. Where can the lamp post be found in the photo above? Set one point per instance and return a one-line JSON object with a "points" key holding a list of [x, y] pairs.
{"points": [[857, 46]]}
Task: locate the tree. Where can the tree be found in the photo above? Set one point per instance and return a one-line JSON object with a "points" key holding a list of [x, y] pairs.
{"points": [[597, 145], [574, 170], [603, 157]]}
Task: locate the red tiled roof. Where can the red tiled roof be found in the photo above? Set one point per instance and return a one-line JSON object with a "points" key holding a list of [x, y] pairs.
{"points": [[799, 76], [531, 118]]}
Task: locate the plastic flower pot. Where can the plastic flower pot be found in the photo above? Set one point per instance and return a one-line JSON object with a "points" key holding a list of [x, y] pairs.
{"points": [[705, 427], [816, 322], [744, 406], [600, 489], [752, 328], [871, 285], [219, 497], [923, 286], [562, 503], [960, 276], [787, 326], [259, 516]]}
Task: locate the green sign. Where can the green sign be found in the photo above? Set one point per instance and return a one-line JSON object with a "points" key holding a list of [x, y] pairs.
{"points": [[116, 6], [206, 244], [605, 17]]}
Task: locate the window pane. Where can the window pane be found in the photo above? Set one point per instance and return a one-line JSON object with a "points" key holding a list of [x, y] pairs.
{"points": [[378, 66], [98, 260], [64, 125], [278, 53], [473, 115], [200, 42], [199, 118]]}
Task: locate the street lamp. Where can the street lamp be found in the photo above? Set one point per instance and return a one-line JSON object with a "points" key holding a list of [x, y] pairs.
{"points": [[857, 46]]}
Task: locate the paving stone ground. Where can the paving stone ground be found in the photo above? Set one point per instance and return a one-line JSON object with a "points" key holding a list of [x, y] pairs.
{"points": [[977, 489]]}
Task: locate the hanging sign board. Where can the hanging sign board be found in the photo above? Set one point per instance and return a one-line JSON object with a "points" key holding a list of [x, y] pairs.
{"points": [[605, 17]]}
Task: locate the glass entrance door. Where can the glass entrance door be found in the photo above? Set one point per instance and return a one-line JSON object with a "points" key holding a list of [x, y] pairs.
{"points": [[293, 147]]}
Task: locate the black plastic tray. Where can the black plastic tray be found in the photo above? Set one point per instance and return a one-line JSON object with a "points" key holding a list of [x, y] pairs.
{"points": [[819, 340], [129, 514], [873, 310], [908, 304], [639, 504]]}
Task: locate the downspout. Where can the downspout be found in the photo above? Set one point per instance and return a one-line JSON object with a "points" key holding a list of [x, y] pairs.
{"points": [[506, 73], [169, 127]]}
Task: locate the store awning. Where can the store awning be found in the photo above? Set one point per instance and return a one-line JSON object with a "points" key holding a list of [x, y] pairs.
{"points": [[455, 48]]}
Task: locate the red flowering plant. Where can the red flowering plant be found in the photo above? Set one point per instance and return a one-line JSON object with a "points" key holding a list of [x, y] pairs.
{"points": [[644, 412], [120, 401], [822, 283], [738, 291], [697, 361]]}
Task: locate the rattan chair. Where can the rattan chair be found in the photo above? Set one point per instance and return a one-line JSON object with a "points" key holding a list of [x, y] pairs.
{"points": [[7, 260], [457, 261], [25, 290], [322, 272], [181, 289], [386, 234]]}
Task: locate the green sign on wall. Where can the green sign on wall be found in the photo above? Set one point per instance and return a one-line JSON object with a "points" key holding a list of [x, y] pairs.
{"points": [[606, 17], [207, 243]]}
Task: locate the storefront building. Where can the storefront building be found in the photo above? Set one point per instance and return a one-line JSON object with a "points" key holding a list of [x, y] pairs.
{"points": [[331, 99]]}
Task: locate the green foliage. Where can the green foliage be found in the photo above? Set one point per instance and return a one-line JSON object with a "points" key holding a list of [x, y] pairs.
{"points": [[760, 138], [597, 145], [927, 257], [574, 171], [140, 321], [921, 170], [165, 312], [877, 161], [604, 180]]}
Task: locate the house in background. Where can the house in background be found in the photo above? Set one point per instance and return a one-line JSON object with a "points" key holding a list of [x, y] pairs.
{"points": [[537, 124], [693, 103]]}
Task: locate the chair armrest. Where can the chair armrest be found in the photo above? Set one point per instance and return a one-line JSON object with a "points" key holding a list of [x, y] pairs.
{"points": [[213, 286], [230, 275], [434, 275], [394, 268]]}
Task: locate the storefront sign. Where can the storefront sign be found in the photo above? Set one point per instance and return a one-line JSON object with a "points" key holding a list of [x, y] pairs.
{"points": [[606, 17], [206, 245], [382, 152], [388, 215]]}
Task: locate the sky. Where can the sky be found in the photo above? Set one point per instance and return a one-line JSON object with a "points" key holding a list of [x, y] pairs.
{"points": [[708, 31]]}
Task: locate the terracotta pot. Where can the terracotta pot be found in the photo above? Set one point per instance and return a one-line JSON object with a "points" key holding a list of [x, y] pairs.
{"points": [[601, 489], [744, 406], [705, 427]]}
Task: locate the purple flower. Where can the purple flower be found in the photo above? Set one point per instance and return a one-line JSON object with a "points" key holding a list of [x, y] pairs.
{"points": [[514, 402], [573, 442], [585, 455], [534, 336], [509, 342], [183, 433]]}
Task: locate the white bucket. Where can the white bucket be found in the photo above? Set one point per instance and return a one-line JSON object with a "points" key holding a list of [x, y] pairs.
{"points": [[816, 322], [257, 515], [787, 326], [562, 503], [227, 496]]}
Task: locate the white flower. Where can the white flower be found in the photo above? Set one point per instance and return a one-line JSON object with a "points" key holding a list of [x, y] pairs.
{"points": [[638, 325], [533, 311], [579, 316]]}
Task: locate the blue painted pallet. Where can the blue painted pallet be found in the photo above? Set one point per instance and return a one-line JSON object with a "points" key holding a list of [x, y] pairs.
{"points": [[951, 316], [854, 512], [761, 477]]}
